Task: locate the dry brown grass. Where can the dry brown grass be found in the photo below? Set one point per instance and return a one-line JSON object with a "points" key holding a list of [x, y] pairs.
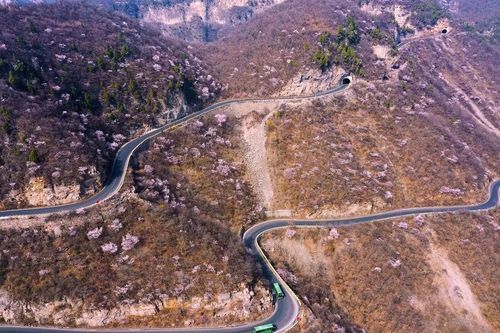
{"points": [[329, 157], [287, 36], [381, 277], [80, 71], [388, 145], [189, 240]]}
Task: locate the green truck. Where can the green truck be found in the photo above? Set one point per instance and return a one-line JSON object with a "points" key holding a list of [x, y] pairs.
{"points": [[277, 291], [267, 328]]}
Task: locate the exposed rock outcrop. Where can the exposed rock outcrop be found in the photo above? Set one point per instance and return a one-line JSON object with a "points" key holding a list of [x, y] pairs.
{"points": [[243, 304], [37, 194], [312, 81], [201, 20]]}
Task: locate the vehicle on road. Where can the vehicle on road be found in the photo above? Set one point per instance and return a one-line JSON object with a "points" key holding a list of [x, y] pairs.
{"points": [[277, 291], [267, 328]]}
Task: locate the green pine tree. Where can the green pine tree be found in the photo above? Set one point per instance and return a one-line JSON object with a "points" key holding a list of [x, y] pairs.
{"points": [[33, 155]]}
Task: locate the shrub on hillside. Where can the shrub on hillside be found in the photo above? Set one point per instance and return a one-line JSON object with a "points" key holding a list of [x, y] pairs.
{"points": [[427, 13]]}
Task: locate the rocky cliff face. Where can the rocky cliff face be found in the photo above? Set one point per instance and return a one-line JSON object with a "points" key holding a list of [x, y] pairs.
{"points": [[194, 20], [242, 304], [189, 20]]}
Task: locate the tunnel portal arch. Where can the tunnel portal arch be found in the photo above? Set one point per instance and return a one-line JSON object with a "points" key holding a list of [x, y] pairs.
{"points": [[346, 79]]}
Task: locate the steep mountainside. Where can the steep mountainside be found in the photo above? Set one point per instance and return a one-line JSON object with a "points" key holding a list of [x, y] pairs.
{"points": [[481, 14], [303, 44], [422, 274], [165, 251], [75, 83], [418, 126], [189, 20], [195, 20]]}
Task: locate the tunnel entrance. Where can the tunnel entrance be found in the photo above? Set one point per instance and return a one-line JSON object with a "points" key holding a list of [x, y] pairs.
{"points": [[444, 31], [346, 80]]}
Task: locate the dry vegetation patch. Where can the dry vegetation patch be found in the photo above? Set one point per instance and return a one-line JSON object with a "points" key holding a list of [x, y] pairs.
{"points": [[290, 40], [330, 159], [396, 144], [75, 83], [168, 244], [425, 274]]}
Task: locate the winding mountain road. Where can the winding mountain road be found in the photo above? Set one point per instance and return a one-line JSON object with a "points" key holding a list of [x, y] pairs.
{"points": [[122, 158], [286, 310]]}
